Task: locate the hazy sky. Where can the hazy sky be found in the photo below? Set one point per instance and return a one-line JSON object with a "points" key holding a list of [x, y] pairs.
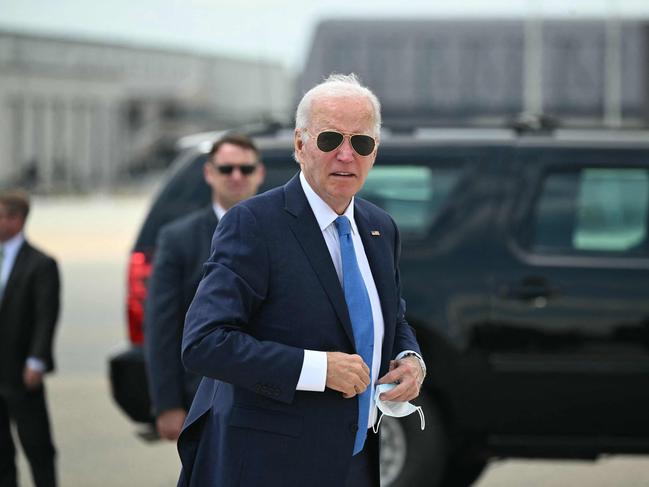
{"points": [[278, 30]]}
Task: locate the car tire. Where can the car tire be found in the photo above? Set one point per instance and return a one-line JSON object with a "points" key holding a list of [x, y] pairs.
{"points": [[411, 457]]}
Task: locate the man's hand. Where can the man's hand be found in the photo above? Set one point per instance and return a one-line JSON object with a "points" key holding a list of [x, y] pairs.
{"points": [[169, 423], [32, 378], [408, 374], [347, 373]]}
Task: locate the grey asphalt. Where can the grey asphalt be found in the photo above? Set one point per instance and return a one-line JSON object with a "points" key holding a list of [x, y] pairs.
{"points": [[91, 237]]}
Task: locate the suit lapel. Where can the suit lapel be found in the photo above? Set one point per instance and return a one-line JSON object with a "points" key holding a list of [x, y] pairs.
{"points": [[380, 256], [307, 232]]}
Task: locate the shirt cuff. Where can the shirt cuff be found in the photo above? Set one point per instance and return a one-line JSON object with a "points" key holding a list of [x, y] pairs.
{"points": [[405, 352], [35, 364], [313, 376]]}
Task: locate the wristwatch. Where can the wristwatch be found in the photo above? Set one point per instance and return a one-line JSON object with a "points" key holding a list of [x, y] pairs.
{"points": [[421, 363]]}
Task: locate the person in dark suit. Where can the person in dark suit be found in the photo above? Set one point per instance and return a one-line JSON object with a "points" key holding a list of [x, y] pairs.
{"points": [[234, 172], [29, 310], [299, 316]]}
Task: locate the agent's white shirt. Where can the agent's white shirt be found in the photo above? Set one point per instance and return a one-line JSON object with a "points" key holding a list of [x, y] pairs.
{"points": [[219, 211]]}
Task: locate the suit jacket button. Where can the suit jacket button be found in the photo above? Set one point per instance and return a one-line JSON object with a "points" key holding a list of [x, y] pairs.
{"points": [[353, 427]]}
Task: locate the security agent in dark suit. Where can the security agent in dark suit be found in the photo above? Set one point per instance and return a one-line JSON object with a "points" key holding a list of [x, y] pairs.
{"points": [[29, 309], [234, 172], [299, 316]]}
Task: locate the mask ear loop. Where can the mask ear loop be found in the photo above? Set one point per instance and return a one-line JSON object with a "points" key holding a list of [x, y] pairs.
{"points": [[375, 427], [421, 417]]}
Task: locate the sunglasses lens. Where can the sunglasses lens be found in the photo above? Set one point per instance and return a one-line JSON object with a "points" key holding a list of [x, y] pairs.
{"points": [[363, 144], [246, 169], [225, 169], [328, 141]]}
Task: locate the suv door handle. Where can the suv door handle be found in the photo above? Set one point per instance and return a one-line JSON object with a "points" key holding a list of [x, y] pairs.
{"points": [[527, 289]]}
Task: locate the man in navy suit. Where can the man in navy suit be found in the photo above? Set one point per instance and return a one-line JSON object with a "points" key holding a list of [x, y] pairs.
{"points": [[299, 315], [234, 172]]}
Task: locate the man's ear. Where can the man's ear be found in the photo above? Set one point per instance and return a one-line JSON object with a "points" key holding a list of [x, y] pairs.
{"points": [[297, 141], [262, 172]]}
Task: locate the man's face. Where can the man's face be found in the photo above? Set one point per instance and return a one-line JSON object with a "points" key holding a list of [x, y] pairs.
{"points": [[337, 175], [10, 225], [229, 189]]}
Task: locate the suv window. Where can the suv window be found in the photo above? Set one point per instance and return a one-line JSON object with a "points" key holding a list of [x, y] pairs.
{"points": [[413, 195], [593, 209]]}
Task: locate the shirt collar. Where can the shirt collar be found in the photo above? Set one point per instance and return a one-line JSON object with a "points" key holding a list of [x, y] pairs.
{"points": [[12, 246], [219, 211], [322, 211]]}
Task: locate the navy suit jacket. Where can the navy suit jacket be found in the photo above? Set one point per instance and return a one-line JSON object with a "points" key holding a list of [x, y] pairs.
{"points": [[183, 247], [269, 291]]}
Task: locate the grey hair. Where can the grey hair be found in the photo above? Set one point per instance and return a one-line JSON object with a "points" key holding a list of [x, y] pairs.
{"points": [[337, 85]]}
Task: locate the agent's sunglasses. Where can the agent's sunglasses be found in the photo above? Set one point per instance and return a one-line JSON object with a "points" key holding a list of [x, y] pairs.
{"points": [[330, 140], [227, 169]]}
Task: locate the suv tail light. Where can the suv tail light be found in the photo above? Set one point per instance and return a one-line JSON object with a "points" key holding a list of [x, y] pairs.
{"points": [[139, 270]]}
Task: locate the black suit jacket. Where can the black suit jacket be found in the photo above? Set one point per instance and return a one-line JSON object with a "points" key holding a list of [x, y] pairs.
{"points": [[28, 314], [183, 246]]}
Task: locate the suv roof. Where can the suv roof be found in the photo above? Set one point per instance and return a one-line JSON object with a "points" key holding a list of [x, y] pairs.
{"points": [[276, 144]]}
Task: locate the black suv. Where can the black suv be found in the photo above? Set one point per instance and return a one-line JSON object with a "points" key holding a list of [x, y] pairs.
{"points": [[525, 267]]}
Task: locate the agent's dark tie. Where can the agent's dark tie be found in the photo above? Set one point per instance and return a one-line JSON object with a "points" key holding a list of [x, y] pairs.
{"points": [[360, 313]]}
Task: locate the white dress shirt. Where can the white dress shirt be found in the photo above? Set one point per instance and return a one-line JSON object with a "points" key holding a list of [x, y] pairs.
{"points": [[10, 251], [219, 211]]}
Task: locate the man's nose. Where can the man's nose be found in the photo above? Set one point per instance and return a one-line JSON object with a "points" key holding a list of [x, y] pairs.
{"points": [[236, 174], [346, 151]]}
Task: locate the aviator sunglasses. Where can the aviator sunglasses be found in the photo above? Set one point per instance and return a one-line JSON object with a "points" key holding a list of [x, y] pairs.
{"points": [[226, 169], [330, 140]]}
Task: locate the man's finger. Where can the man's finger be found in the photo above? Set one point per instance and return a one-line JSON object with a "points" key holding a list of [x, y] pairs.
{"points": [[403, 395], [408, 389], [393, 393], [390, 377], [365, 379], [366, 368], [360, 389]]}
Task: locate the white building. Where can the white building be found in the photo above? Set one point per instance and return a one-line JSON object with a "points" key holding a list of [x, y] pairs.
{"points": [[75, 114]]}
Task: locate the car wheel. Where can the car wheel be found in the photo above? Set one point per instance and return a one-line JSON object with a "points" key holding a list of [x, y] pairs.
{"points": [[411, 457]]}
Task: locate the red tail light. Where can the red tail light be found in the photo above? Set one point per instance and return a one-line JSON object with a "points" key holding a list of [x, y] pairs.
{"points": [[139, 270]]}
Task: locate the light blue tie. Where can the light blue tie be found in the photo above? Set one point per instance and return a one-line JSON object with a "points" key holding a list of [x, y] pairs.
{"points": [[360, 313]]}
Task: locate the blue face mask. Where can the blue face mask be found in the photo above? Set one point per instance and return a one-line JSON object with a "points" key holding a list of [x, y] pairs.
{"points": [[397, 409]]}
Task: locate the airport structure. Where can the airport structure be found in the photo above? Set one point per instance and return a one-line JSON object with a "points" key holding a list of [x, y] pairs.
{"points": [[489, 71], [79, 115]]}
